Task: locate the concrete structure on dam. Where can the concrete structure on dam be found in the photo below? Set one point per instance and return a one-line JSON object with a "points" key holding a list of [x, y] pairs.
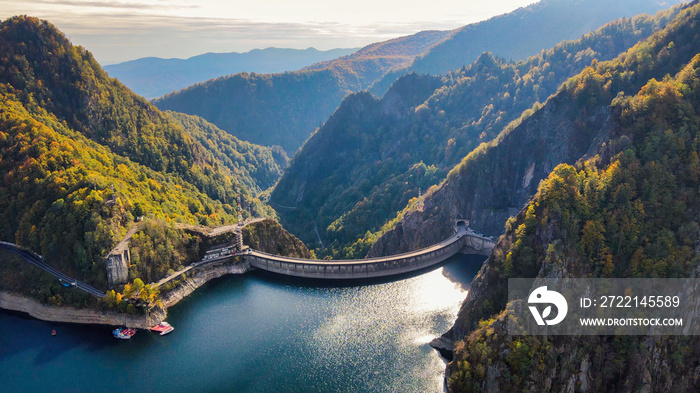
{"points": [[464, 240]]}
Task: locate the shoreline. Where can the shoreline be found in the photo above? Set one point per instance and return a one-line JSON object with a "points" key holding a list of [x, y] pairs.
{"points": [[89, 316]]}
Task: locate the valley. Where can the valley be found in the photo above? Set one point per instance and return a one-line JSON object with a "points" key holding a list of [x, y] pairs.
{"points": [[371, 202]]}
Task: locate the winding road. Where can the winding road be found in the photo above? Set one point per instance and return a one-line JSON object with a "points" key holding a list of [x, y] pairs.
{"points": [[39, 262]]}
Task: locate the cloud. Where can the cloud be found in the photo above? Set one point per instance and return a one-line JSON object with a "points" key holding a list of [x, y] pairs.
{"points": [[117, 31], [114, 4], [119, 36]]}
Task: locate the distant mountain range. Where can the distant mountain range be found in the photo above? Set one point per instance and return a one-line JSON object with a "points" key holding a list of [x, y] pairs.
{"points": [[521, 33], [152, 77], [284, 109]]}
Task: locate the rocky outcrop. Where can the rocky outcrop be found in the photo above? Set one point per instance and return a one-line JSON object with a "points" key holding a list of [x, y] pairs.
{"points": [[117, 268], [201, 277], [445, 346], [117, 262], [269, 236], [13, 302], [494, 183]]}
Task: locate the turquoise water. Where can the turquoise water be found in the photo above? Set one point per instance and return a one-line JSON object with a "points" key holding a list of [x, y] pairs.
{"points": [[254, 333]]}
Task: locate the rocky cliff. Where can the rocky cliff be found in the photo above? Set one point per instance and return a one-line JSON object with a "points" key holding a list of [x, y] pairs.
{"points": [[269, 236], [14, 302], [201, 277], [496, 180], [627, 208]]}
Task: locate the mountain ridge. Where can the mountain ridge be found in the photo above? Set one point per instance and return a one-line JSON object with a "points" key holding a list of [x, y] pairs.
{"points": [[153, 77], [512, 162], [540, 20], [369, 159], [283, 109], [627, 210], [83, 158], [618, 151]]}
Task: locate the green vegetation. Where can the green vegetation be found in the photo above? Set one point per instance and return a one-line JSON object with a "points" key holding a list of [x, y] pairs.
{"points": [[44, 287], [43, 67], [257, 167], [283, 109], [159, 250], [372, 156], [631, 210], [520, 34], [81, 158], [57, 195], [269, 236], [136, 298]]}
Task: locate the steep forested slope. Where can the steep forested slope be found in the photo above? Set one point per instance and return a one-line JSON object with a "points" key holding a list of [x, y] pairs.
{"points": [[371, 156], [81, 157], [269, 236], [496, 180], [153, 77], [627, 208], [538, 26], [283, 109], [257, 167], [66, 81], [70, 199], [631, 211]]}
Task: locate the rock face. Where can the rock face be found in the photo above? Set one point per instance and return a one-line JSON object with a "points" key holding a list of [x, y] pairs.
{"points": [[201, 277], [117, 261], [495, 183], [117, 268], [9, 301], [269, 236]]}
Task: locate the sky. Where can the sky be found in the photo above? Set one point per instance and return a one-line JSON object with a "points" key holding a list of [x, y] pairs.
{"points": [[120, 30]]}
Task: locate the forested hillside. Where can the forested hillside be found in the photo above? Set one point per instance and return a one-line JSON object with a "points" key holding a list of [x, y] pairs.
{"points": [[81, 157], [153, 77], [541, 25], [257, 167], [66, 81], [622, 203], [283, 109], [631, 211], [372, 156], [502, 175]]}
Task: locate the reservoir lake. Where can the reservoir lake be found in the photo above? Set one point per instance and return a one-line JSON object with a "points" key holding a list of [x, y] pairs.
{"points": [[255, 332]]}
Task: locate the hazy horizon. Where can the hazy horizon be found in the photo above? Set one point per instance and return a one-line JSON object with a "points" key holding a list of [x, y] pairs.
{"points": [[118, 31]]}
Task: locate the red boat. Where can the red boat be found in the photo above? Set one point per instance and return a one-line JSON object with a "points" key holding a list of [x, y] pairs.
{"points": [[163, 328], [124, 333]]}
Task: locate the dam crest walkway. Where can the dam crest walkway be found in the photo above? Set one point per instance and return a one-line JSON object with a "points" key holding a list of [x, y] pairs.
{"points": [[464, 240]]}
